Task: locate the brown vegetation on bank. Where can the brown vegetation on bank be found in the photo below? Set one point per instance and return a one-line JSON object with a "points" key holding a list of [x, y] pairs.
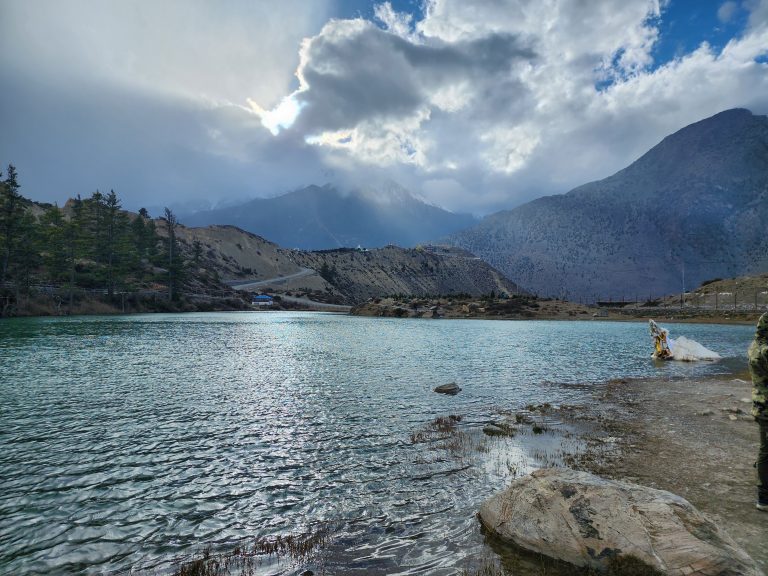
{"points": [[517, 307]]}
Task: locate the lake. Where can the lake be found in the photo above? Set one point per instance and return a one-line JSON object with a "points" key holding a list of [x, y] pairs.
{"points": [[130, 442]]}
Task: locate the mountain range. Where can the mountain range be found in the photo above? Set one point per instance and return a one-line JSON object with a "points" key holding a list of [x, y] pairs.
{"points": [[693, 208], [323, 217]]}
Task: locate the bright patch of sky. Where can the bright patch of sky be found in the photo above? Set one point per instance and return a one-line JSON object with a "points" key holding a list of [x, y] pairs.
{"points": [[686, 24], [366, 9]]}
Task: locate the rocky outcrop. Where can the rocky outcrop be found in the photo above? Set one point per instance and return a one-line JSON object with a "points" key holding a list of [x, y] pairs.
{"points": [[417, 272], [349, 275], [585, 520]]}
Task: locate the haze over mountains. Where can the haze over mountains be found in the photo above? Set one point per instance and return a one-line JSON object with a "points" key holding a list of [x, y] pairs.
{"points": [[322, 217], [693, 208]]}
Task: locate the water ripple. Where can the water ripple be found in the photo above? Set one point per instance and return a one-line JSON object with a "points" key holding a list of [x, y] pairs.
{"points": [[129, 442]]}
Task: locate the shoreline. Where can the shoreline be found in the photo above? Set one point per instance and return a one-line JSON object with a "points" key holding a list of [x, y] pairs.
{"points": [[464, 308], [692, 437], [533, 308], [747, 319]]}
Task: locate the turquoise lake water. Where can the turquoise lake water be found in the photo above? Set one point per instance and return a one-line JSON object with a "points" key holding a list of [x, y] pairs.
{"points": [[130, 442]]}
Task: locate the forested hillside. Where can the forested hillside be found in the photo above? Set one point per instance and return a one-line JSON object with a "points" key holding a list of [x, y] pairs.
{"points": [[92, 247], [92, 256]]}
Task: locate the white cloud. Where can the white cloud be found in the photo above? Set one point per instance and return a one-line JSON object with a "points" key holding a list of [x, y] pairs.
{"points": [[194, 48], [513, 98], [758, 12], [727, 11], [396, 22]]}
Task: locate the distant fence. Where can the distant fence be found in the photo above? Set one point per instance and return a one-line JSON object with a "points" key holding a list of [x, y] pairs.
{"points": [[745, 300], [738, 301]]}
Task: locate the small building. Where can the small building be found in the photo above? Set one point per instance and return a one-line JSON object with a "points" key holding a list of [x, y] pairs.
{"points": [[262, 300]]}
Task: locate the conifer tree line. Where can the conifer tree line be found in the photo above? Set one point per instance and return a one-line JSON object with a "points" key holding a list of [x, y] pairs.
{"points": [[89, 243]]}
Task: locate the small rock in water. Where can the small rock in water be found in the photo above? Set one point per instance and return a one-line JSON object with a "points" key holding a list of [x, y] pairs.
{"points": [[732, 417], [499, 429], [707, 412], [747, 400], [451, 389]]}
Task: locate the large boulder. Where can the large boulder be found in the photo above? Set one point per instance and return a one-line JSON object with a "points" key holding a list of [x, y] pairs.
{"points": [[586, 520]]}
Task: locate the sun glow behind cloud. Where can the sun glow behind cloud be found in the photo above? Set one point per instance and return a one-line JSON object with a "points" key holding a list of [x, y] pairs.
{"points": [[281, 116]]}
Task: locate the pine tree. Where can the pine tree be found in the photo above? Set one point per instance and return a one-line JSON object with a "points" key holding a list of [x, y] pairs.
{"points": [[27, 252], [144, 238], [74, 242], [115, 225], [96, 208], [197, 252], [11, 210], [170, 225], [53, 231]]}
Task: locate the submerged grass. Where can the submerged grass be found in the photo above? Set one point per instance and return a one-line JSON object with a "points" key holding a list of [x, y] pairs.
{"points": [[299, 549], [438, 429], [443, 433]]}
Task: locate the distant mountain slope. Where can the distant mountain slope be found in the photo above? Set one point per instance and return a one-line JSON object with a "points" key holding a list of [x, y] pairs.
{"points": [[323, 217], [415, 272], [694, 207], [351, 275], [232, 253]]}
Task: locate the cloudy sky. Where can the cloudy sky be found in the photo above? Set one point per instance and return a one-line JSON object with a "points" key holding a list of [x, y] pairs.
{"points": [[474, 105]]}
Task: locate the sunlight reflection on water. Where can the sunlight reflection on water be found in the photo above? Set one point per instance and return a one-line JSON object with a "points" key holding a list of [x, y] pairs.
{"points": [[128, 441]]}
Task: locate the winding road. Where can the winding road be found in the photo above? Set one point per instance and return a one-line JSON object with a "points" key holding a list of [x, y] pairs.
{"points": [[248, 284]]}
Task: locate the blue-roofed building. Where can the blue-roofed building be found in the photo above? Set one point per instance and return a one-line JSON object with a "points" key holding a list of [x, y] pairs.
{"points": [[262, 300]]}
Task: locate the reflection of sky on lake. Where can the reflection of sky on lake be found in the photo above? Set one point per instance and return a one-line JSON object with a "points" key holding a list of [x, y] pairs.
{"points": [[129, 440]]}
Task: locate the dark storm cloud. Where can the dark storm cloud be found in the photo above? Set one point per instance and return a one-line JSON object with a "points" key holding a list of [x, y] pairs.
{"points": [[145, 97], [356, 71]]}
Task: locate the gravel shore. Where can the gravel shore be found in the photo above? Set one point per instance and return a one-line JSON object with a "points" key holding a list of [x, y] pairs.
{"points": [[694, 438]]}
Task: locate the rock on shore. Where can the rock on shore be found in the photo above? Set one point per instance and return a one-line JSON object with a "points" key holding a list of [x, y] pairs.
{"points": [[585, 520]]}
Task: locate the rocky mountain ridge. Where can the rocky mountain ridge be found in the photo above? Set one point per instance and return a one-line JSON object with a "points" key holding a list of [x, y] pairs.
{"points": [[348, 276], [693, 207]]}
